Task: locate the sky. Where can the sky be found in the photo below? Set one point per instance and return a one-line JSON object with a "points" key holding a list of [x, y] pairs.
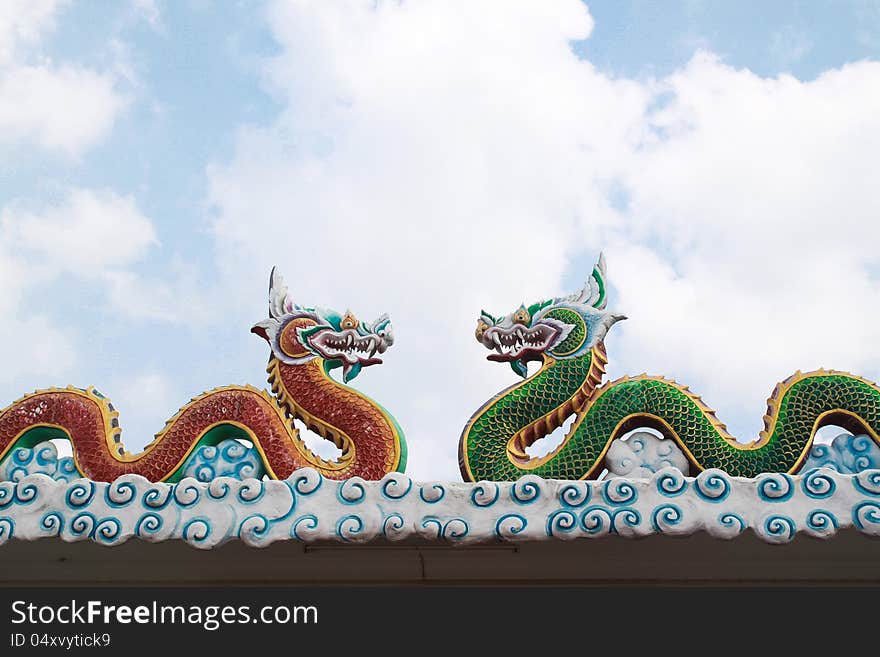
{"points": [[429, 159]]}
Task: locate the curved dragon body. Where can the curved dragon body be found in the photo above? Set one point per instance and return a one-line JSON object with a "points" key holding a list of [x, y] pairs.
{"points": [[307, 344], [370, 440], [567, 335]]}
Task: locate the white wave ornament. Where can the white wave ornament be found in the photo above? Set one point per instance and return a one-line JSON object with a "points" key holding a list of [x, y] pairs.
{"points": [[307, 507], [643, 454]]}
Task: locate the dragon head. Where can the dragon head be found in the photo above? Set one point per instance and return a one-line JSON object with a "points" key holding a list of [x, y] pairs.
{"points": [[298, 335], [561, 328]]}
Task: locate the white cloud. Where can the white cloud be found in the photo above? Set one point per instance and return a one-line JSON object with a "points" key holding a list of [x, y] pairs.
{"points": [[23, 23], [179, 296], [90, 231], [29, 341], [94, 239], [749, 243], [62, 107], [99, 236], [80, 236], [436, 158], [427, 166], [34, 350]]}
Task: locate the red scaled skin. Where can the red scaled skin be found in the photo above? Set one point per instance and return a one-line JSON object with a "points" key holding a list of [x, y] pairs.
{"points": [[368, 438]]}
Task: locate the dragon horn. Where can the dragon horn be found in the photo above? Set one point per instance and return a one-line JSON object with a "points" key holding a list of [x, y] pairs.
{"points": [[593, 292], [279, 303], [598, 298]]}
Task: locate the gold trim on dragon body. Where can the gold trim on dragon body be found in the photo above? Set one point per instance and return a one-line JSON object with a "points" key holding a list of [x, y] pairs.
{"points": [[306, 343], [494, 441]]}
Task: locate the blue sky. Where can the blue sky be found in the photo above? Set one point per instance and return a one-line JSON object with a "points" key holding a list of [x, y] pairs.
{"points": [[202, 105]]}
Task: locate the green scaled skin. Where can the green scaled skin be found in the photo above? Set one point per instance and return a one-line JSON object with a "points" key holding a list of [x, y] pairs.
{"points": [[567, 335]]}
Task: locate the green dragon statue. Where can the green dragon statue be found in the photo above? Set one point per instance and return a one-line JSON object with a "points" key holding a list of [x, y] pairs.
{"points": [[566, 335]]}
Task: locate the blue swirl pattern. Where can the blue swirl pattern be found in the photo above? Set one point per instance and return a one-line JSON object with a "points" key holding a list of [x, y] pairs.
{"points": [[596, 520], [40, 459], [777, 529], [712, 485], [821, 523], [671, 482], [665, 517], [818, 485], [575, 494], [392, 526], [228, 458], [729, 525], [561, 523], [776, 507], [847, 454], [432, 493], [619, 491], [774, 487]]}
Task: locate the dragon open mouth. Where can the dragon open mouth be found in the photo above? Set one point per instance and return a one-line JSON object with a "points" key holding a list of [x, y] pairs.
{"points": [[518, 342], [349, 346]]}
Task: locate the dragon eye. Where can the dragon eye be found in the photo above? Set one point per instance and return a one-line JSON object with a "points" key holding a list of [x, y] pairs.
{"points": [[522, 316], [481, 329]]}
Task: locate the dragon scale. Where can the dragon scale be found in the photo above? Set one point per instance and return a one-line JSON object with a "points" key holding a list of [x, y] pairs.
{"points": [[566, 334], [307, 344]]}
